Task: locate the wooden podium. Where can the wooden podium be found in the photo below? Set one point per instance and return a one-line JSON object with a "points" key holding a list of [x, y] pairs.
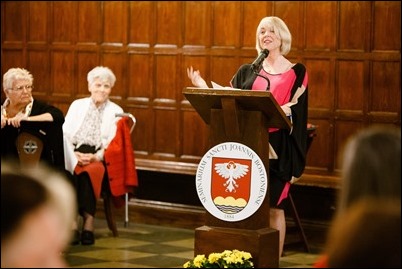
{"points": [[242, 116]]}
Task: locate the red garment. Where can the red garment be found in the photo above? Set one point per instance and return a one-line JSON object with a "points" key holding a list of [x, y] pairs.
{"points": [[120, 163], [322, 262], [95, 170]]}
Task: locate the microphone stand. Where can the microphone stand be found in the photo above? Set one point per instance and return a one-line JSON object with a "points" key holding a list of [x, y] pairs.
{"points": [[268, 82]]}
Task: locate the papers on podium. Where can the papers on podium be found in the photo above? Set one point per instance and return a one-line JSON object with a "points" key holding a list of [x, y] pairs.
{"points": [[219, 87]]}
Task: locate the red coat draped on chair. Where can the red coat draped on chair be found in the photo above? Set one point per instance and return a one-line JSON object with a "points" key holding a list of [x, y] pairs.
{"points": [[120, 163]]}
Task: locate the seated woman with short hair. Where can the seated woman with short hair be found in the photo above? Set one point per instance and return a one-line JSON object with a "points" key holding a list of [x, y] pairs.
{"points": [[21, 112], [90, 126]]}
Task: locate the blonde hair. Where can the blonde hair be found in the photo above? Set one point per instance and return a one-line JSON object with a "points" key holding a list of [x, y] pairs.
{"points": [[280, 29]]}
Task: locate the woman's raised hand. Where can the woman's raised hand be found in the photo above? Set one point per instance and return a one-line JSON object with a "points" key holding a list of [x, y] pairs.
{"points": [[195, 77]]}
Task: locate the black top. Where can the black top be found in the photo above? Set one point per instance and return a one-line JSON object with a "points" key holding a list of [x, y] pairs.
{"points": [[51, 134]]}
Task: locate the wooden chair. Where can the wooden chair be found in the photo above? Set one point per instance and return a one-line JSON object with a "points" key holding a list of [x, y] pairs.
{"points": [[107, 204], [29, 149], [311, 133], [107, 197]]}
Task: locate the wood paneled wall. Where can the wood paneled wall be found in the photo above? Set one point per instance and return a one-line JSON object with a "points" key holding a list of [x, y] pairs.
{"points": [[352, 51]]}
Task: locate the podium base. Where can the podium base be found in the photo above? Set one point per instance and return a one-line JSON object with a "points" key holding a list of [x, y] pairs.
{"points": [[262, 244]]}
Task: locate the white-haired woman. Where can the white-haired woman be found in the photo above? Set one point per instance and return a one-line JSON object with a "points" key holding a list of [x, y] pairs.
{"points": [[21, 112], [89, 127]]}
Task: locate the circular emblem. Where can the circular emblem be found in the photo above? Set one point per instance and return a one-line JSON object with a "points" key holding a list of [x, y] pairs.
{"points": [[231, 181], [30, 147]]}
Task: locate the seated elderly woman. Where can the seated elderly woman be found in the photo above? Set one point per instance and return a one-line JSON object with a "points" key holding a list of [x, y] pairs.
{"points": [[20, 112], [90, 126]]}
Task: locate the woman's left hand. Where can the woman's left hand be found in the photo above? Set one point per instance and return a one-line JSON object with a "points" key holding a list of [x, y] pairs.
{"points": [[195, 77], [16, 121]]}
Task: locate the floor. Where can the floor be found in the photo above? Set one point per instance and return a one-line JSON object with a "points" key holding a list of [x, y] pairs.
{"points": [[149, 246]]}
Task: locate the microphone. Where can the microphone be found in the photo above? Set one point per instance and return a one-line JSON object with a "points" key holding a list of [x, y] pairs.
{"points": [[257, 64]]}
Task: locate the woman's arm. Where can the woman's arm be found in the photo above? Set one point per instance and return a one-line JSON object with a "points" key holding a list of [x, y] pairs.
{"points": [[44, 112]]}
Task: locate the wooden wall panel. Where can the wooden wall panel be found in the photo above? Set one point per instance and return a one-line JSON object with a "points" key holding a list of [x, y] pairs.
{"points": [[351, 50], [197, 23], [139, 76], [386, 91], [226, 23], [62, 105], [38, 61], [387, 18], [13, 16], [165, 132], [38, 22], [353, 27], [88, 25], [63, 22], [321, 93], [168, 23], [320, 20], [166, 69], [321, 107], [194, 143], [323, 146], [13, 57], [114, 22], [62, 73], [144, 131], [140, 26], [351, 81]]}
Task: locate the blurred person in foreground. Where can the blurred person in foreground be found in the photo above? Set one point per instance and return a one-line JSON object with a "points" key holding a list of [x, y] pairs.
{"points": [[366, 235], [371, 169], [37, 211]]}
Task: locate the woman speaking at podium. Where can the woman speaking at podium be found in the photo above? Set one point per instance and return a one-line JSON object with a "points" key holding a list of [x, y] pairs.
{"points": [[288, 83]]}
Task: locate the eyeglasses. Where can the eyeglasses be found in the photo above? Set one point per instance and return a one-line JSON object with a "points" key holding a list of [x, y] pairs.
{"points": [[20, 88]]}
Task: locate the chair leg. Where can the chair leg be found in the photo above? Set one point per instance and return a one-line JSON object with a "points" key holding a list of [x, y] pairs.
{"points": [[303, 238], [111, 223], [126, 219]]}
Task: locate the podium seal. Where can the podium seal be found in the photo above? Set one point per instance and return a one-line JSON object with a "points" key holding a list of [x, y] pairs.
{"points": [[231, 181]]}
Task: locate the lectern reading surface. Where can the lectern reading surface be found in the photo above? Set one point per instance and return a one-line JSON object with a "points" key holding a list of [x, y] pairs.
{"points": [[205, 99]]}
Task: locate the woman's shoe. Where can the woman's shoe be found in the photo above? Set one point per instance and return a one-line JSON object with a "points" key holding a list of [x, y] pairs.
{"points": [[87, 237], [76, 238]]}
